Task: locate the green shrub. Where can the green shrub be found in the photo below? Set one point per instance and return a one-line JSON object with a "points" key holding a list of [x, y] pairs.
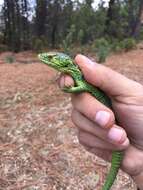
{"points": [[101, 42], [116, 45], [39, 44], [128, 44], [3, 48], [66, 47], [123, 45], [102, 54], [141, 34], [68, 41], [102, 48], [80, 36]]}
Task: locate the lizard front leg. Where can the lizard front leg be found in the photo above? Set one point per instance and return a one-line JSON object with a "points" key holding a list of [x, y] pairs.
{"points": [[74, 89]]}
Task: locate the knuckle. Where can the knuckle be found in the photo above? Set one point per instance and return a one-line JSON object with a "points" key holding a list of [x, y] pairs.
{"points": [[81, 137], [129, 166], [79, 99], [112, 119], [75, 117], [89, 106]]}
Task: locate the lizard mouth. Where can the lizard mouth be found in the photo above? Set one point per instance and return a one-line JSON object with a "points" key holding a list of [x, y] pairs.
{"points": [[49, 58], [46, 56]]}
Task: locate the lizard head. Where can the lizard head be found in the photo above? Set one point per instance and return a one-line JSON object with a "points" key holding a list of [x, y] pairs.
{"points": [[56, 60], [61, 62]]}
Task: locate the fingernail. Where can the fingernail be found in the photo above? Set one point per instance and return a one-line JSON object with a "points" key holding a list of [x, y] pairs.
{"points": [[82, 58], [126, 143], [102, 118], [86, 59], [115, 134]]}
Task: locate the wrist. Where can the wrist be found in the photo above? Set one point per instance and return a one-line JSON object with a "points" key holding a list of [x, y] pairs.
{"points": [[138, 179]]}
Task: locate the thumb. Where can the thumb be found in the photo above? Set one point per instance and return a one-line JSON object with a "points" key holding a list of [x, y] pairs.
{"points": [[106, 79]]}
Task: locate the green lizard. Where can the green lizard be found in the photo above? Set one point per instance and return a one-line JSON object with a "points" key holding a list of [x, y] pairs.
{"points": [[63, 63]]}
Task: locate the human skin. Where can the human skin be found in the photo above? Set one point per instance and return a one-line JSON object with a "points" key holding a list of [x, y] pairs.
{"points": [[97, 129]]}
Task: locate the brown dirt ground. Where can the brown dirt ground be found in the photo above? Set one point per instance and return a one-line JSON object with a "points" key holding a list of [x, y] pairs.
{"points": [[39, 149]]}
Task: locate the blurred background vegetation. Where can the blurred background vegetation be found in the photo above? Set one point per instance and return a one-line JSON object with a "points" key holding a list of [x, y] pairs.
{"points": [[71, 25]]}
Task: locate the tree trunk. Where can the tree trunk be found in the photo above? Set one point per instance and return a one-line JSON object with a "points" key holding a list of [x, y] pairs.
{"points": [[41, 16], [15, 18], [137, 25], [109, 18]]}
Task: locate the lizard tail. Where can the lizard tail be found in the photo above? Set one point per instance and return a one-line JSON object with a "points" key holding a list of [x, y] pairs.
{"points": [[115, 165]]}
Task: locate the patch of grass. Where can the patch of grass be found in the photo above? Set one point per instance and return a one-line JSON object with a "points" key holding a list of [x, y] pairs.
{"points": [[10, 59]]}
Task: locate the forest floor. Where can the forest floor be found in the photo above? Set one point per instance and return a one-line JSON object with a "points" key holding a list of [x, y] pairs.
{"points": [[39, 149]]}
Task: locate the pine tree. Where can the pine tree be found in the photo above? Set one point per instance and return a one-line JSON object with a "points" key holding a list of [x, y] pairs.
{"points": [[16, 23]]}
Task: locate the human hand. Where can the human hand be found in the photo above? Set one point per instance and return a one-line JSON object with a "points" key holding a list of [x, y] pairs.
{"points": [[98, 132]]}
